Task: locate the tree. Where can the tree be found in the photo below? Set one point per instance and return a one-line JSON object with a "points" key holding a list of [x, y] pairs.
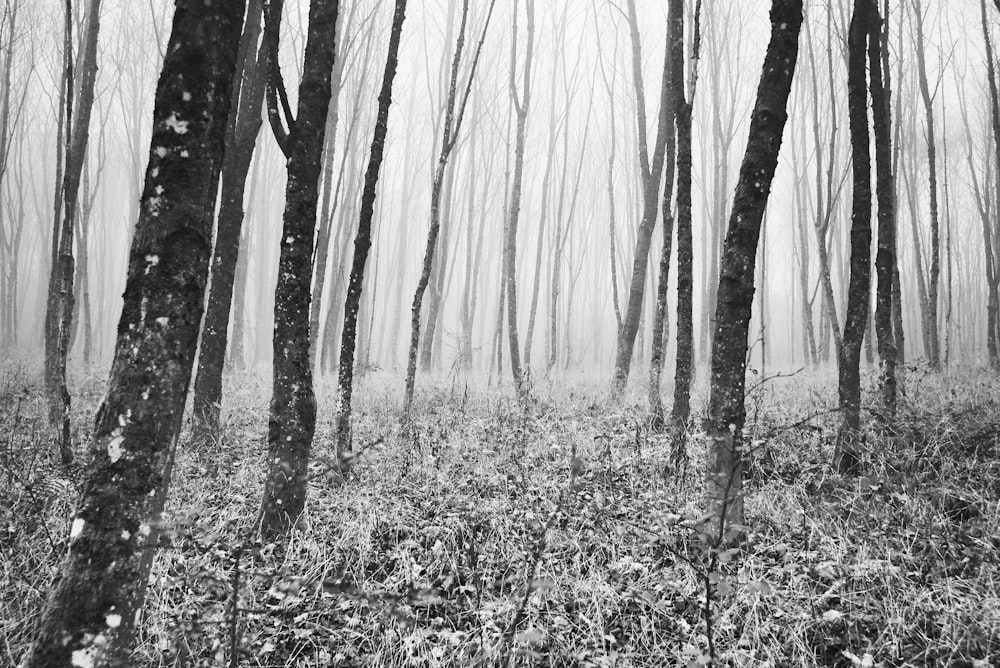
{"points": [[521, 104], [992, 273], [885, 192], [59, 307], [727, 413], [685, 244], [90, 615], [242, 130], [859, 288], [292, 418], [650, 171], [363, 241], [453, 118]]}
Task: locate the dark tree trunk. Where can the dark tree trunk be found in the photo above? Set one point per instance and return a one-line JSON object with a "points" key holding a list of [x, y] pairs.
{"points": [[675, 104], [363, 242], [684, 367], [859, 286], [241, 137], [89, 618], [651, 174], [884, 187], [727, 413], [60, 306], [993, 298], [293, 403]]}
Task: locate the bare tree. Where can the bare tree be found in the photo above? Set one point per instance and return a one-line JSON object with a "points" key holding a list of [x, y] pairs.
{"points": [[727, 413], [453, 118], [859, 288], [651, 172], [362, 242], [91, 612], [293, 402], [993, 299]]}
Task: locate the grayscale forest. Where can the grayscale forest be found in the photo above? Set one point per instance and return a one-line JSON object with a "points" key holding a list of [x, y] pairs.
{"points": [[607, 333]]}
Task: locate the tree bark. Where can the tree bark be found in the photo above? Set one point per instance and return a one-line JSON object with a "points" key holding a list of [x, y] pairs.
{"points": [[362, 242], [993, 298], [91, 612], [242, 130], [845, 456], [727, 413], [884, 187], [293, 402]]}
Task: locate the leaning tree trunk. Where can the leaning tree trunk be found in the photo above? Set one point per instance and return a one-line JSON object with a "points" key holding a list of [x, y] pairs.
{"points": [[241, 137], [363, 242], [884, 187], [932, 345], [293, 403], [59, 308], [90, 616], [727, 413], [859, 285]]}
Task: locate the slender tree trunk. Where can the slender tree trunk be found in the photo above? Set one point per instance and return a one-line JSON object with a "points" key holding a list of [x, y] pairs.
{"points": [[651, 174], [931, 344], [675, 103], [684, 368], [521, 102], [241, 137], [884, 187], [846, 457], [362, 242], [91, 612], [993, 300], [293, 403], [727, 413]]}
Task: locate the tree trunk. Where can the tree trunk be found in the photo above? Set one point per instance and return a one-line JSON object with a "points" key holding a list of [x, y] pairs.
{"points": [[727, 413], [293, 403], [241, 137], [675, 105], [845, 457], [884, 182], [90, 616], [993, 299], [684, 368], [651, 174], [362, 243]]}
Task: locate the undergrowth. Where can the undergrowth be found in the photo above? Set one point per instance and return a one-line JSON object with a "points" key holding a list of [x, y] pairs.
{"points": [[557, 534]]}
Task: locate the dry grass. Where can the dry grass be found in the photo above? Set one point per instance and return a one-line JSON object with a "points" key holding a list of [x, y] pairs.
{"points": [[423, 557]]}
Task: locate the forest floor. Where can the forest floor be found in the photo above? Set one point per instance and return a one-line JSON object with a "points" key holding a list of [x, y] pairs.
{"points": [[560, 534]]}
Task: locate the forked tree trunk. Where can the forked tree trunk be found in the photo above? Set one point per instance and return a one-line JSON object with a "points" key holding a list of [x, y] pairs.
{"points": [[651, 174], [845, 456], [363, 242], [727, 413], [885, 255], [674, 100], [521, 102], [684, 367], [90, 615], [241, 137], [60, 305], [293, 402]]}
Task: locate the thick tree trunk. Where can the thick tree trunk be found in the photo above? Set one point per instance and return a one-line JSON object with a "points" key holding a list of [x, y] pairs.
{"points": [[993, 299], [241, 137], [727, 413], [293, 402], [90, 616], [362, 242], [859, 287]]}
